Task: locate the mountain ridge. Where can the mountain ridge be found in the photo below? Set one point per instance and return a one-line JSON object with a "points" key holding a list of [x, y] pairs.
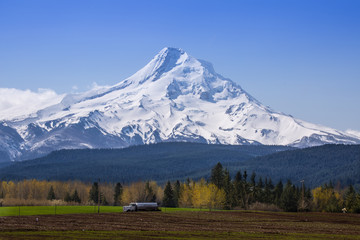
{"points": [[175, 97], [162, 162]]}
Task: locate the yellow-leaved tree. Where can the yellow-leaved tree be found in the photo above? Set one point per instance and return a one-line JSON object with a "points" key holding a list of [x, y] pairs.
{"points": [[185, 199], [201, 194], [326, 199], [217, 197]]}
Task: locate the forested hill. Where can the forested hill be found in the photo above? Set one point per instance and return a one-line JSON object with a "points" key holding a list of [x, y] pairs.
{"points": [[315, 165], [171, 161], [160, 162]]}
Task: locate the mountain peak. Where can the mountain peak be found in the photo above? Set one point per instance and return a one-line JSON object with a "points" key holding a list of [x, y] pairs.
{"points": [[175, 97], [182, 74], [171, 50], [167, 59]]}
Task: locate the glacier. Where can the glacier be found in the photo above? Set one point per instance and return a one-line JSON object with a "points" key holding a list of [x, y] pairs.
{"points": [[175, 97]]}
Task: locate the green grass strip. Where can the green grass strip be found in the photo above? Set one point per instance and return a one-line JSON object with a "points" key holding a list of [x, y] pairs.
{"points": [[46, 210], [58, 235]]}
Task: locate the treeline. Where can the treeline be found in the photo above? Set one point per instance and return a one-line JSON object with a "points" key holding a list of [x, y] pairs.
{"points": [[250, 192], [220, 191], [35, 192]]}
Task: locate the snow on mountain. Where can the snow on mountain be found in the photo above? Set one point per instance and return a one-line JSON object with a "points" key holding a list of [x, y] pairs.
{"points": [[353, 133], [175, 97]]}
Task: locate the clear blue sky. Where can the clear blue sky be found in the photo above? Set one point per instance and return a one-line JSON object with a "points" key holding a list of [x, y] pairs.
{"points": [[299, 57]]}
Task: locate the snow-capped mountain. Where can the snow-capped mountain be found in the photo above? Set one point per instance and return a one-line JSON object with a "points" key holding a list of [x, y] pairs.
{"points": [[175, 97]]}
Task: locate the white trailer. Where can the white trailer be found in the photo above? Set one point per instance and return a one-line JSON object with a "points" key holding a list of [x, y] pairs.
{"points": [[141, 206]]}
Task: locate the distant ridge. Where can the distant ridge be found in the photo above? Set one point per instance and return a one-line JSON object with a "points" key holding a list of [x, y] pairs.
{"points": [[179, 161], [160, 162], [337, 163]]}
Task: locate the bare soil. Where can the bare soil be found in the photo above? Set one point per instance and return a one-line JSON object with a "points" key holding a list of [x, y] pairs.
{"points": [[219, 221]]}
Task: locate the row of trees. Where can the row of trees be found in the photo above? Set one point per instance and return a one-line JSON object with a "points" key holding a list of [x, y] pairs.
{"points": [[35, 192], [241, 192], [219, 192], [248, 192]]}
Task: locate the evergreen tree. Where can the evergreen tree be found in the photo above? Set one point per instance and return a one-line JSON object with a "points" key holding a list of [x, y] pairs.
{"points": [[150, 196], [253, 179], [271, 185], [51, 194], [238, 188], [278, 190], [229, 191], [245, 176], [258, 191], [217, 175], [247, 191], [267, 196], [177, 192], [94, 193], [289, 199], [252, 188], [75, 197], [117, 194], [238, 177], [168, 199], [260, 183], [356, 207], [67, 197], [350, 198]]}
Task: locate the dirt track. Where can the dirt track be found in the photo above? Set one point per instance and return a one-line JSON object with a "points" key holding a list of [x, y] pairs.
{"points": [[251, 222]]}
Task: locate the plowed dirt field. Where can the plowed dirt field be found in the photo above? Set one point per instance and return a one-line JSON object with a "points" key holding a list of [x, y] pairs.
{"points": [[175, 225]]}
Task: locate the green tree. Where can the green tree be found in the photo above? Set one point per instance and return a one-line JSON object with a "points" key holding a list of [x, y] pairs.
{"points": [[258, 191], [245, 176], [229, 191], [75, 197], [289, 199], [94, 193], [238, 188], [350, 198], [51, 194], [253, 179], [243, 190], [238, 177], [356, 207], [177, 192], [168, 199], [117, 194], [217, 175], [268, 196], [278, 190], [67, 197], [150, 196]]}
